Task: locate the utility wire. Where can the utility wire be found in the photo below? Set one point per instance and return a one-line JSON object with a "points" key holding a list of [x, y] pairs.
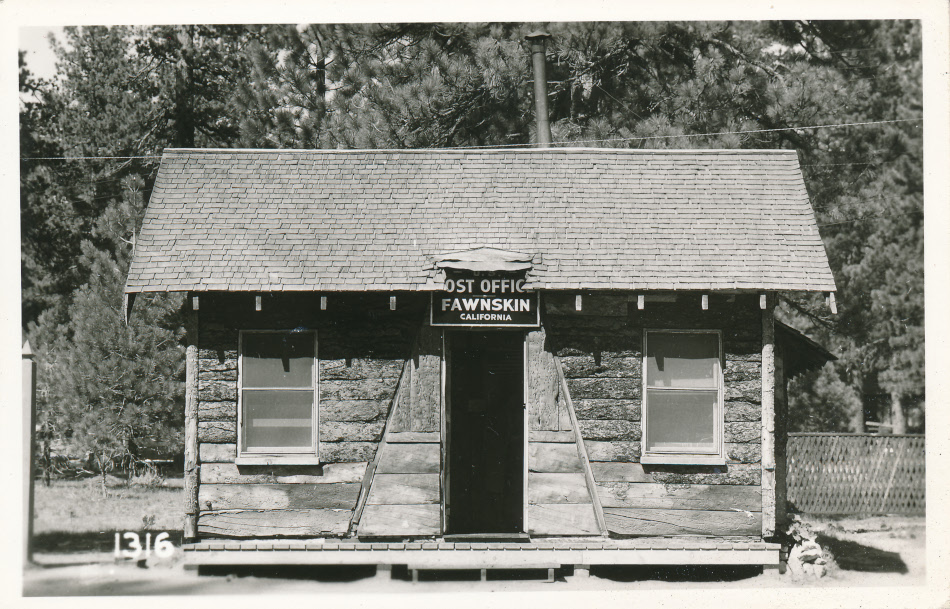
{"points": [[86, 158], [839, 204], [563, 143], [918, 211], [659, 137], [629, 109], [843, 164]]}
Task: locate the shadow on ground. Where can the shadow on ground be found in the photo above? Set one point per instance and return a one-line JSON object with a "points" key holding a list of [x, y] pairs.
{"points": [[618, 573], [65, 542], [684, 573], [350, 573], [326, 573], [853, 556]]}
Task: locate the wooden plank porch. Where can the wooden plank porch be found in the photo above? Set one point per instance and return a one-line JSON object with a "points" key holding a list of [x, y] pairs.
{"points": [[441, 554]]}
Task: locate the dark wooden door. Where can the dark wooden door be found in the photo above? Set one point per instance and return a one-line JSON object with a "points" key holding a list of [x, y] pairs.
{"points": [[486, 432]]}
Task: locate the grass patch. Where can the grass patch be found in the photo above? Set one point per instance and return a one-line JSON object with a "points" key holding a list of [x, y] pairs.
{"points": [[74, 515]]}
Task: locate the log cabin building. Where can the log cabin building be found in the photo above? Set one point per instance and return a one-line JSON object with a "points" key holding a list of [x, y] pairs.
{"points": [[484, 358]]}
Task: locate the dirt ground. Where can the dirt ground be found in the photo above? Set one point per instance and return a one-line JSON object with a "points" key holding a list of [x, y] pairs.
{"points": [[869, 552], [69, 510]]}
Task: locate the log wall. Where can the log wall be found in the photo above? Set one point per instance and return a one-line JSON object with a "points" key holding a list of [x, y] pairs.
{"points": [[362, 349], [559, 500], [600, 350], [584, 422], [404, 495]]}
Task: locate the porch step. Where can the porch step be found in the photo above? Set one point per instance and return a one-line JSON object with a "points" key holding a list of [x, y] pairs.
{"points": [[485, 555]]}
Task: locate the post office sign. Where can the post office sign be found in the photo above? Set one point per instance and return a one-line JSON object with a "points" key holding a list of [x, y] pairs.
{"points": [[485, 301]]}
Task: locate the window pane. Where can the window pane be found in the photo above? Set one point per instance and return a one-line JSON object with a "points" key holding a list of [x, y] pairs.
{"points": [[277, 419], [681, 420], [682, 360], [278, 360]]}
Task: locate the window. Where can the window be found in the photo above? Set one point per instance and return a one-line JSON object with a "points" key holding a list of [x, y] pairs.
{"points": [[683, 394], [277, 397]]}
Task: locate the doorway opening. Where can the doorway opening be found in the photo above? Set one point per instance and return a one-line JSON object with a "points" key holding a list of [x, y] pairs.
{"points": [[485, 427]]}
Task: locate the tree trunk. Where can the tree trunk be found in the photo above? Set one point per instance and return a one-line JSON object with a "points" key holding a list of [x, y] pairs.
{"points": [[857, 416], [47, 456], [898, 420]]}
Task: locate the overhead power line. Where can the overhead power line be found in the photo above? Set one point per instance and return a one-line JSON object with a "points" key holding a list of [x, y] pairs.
{"points": [[839, 204], [853, 220], [842, 164], [87, 158], [562, 143], [660, 137]]}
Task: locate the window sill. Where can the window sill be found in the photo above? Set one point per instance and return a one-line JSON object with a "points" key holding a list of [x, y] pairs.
{"points": [[277, 460], [682, 460]]}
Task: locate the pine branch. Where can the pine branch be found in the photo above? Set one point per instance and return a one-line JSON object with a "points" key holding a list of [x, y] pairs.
{"points": [[741, 56], [824, 321]]}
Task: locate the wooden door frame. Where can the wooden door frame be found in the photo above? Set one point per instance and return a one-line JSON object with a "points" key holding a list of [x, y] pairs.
{"points": [[445, 398]]}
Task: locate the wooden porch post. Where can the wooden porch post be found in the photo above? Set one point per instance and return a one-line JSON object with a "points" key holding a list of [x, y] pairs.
{"points": [[191, 425], [29, 442], [768, 417]]}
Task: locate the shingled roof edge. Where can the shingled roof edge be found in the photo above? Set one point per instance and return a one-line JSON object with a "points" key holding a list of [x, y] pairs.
{"points": [[767, 196], [664, 151]]}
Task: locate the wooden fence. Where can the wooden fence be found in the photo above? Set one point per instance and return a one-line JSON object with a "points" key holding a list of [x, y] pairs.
{"points": [[830, 473]]}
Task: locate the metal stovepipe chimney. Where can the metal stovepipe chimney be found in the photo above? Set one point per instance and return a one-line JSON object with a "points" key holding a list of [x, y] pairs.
{"points": [[537, 40]]}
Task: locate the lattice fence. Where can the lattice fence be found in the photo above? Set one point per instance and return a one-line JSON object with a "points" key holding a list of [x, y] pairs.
{"points": [[832, 473]]}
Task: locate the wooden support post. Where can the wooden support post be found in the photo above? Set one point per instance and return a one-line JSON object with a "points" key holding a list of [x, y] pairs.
{"points": [[323, 303], [415, 575], [640, 300], [29, 445], [194, 303], [832, 304], [763, 301], [768, 418], [582, 571], [550, 575], [578, 302], [392, 303], [483, 574], [191, 426], [705, 302], [257, 302]]}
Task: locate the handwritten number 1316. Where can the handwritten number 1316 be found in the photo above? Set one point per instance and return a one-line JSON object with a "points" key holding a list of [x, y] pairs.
{"points": [[163, 548]]}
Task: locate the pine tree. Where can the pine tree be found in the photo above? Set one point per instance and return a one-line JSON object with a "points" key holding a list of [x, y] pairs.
{"points": [[132, 91], [111, 384], [655, 84], [867, 187], [51, 222], [819, 400], [386, 86], [121, 92]]}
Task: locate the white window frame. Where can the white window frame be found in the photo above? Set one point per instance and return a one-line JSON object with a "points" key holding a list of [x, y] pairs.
{"points": [[276, 456], [717, 456]]}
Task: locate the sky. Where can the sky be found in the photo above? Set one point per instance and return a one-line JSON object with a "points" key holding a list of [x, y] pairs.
{"points": [[39, 56]]}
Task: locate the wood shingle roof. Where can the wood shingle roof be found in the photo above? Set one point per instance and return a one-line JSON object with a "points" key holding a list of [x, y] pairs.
{"points": [[340, 220]]}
